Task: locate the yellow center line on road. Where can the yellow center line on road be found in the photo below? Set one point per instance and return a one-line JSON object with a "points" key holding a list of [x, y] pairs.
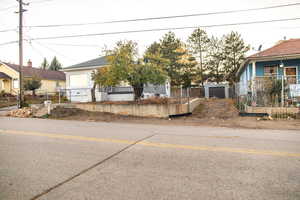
{"points": [[153, 144]]}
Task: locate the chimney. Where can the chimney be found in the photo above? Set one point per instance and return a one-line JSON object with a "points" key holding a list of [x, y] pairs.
{"points": [[29, 63]]}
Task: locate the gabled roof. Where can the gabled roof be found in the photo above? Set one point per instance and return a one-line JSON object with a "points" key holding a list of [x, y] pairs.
{"points": [[3, 75], [101, 61], [283, 48], [41, 73]]}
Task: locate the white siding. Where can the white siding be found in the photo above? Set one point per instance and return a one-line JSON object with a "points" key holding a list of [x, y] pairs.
{"points": [[79, 81], [120, 97]]}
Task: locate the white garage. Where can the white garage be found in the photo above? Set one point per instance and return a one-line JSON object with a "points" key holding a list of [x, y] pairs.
{"points": [[79, 84]]}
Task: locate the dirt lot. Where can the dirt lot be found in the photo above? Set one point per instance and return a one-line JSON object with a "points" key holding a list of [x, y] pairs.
{"points": [[220, 113]]}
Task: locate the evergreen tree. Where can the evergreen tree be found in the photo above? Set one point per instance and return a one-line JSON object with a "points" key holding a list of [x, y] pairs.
{"points": [[198, 44], [55, 65], [215, 60], [173, 58], [45, 64], [234, 54]]}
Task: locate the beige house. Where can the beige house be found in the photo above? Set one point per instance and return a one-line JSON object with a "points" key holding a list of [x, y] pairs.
{"points": [[9, 78]]}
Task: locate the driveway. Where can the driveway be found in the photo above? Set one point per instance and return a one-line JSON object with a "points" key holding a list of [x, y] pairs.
{"points": [[5, 110], [56, 159]]}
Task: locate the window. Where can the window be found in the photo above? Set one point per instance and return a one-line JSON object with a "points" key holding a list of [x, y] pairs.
{"points": [[270, 70], [15, 83]]}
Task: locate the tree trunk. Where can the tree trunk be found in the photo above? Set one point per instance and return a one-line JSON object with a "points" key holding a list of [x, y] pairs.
{"points": [[138, 91], [201, 67], [33, 93], [93, 93]]}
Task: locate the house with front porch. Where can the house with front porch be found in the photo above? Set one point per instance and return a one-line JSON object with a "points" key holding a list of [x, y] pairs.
{"points": [[272, 77], [51, 81]]}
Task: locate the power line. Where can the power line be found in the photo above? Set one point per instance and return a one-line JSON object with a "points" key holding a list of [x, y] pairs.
{"points": [[40, 1], [35, 49], [56, 52], [151, 18], [163, 29], [166, 17], [73, 45], [7, 43], [157, 29], [7, 8], [7, 30], [14, 6]]}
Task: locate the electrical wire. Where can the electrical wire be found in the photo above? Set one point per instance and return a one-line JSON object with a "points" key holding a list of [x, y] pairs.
{"points": [[7, 30], [156, 29], [30, 2], [166, 17], [163, 29], [73, 45]]}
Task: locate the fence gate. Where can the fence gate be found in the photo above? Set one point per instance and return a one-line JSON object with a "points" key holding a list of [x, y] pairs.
{"points": [[218, 92]]}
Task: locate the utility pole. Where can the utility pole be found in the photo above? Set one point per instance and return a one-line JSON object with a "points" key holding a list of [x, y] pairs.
{"points": [[21, 93]]}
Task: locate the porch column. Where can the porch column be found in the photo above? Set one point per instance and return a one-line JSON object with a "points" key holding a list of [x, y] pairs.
{"points": [[253, 83], [253, 70]]}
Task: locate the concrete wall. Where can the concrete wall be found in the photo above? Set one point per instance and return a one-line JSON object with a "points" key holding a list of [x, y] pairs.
{"points": [[271, 110], [149, 110], [120, 97]]}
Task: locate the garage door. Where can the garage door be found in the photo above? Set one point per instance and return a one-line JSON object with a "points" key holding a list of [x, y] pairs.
{"points": [[218, 92], [79, 81]]}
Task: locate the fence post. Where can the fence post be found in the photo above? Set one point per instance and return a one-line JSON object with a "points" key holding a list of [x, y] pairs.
{"points": [[282, 91], [188, 96], [59, 96], [181, 94]]}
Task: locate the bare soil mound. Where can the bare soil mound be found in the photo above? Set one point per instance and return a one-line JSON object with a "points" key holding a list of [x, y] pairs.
{"points": [[216, 108], [61, 112]]}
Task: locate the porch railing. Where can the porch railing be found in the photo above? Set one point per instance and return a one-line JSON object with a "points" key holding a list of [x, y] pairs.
{"points": [[272, 91]]}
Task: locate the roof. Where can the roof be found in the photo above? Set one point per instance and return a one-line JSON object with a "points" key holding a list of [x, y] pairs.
{"points": [[101, 61], [3, 75], [41, 73], [285, 47]]}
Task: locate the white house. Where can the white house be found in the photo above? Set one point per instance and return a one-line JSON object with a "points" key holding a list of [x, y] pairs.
{"points": [[79, 84]]}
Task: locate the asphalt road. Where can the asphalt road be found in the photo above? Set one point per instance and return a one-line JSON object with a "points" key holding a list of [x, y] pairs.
{"points": [[48, 159]]}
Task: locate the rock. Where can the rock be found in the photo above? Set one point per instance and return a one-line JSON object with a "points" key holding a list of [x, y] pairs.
{"points": [[23, 112], [270, 118]]}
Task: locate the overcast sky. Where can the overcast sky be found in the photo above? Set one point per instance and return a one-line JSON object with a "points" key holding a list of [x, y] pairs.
{"points": [[49, 12]]}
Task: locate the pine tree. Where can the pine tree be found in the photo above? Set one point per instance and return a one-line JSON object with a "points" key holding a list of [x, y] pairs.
{"points": [[234, 54], [55, 65], [215, 60], [45, 64], [198, 44], [174, 58]]}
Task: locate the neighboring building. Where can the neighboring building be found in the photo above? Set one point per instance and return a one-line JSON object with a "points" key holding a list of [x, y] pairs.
{"points": [[216, 90], [9, 78], [280, 62], [79, 84]]}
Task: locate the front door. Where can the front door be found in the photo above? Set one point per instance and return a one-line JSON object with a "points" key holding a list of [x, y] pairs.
{"points": [[290, 73]]}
